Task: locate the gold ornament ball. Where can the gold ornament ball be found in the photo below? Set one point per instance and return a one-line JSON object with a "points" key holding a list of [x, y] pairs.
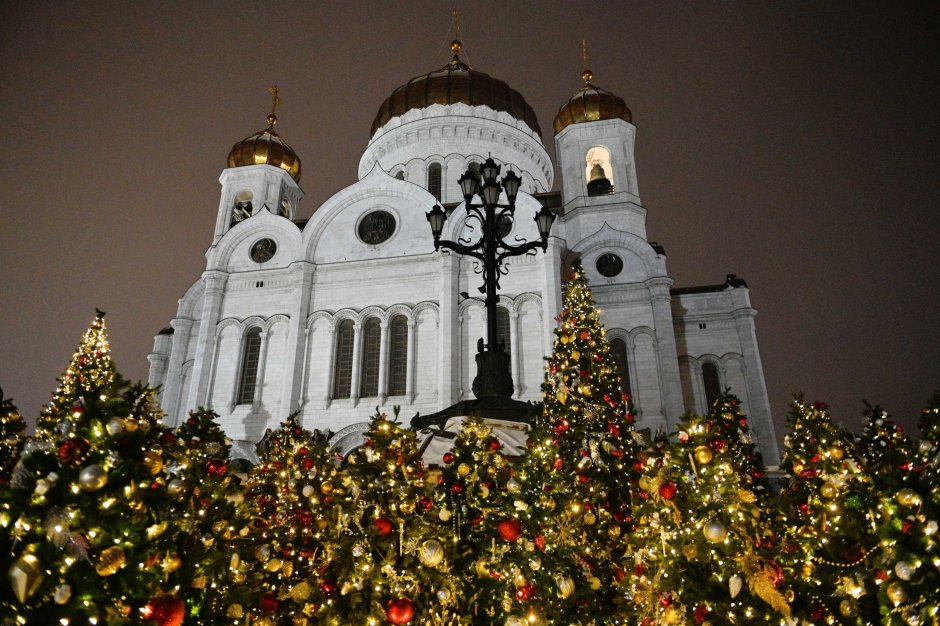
{"points": [[431, 553], [235, 611], [836, 452], [594, 582], [807, 570], [908, 497], [444, 515], [463, 469], [482, 569], [273, 565], [797, 468], [690, 551], [326, 487], [590, 518], [92, 478], [407, 507], [715, 531], [238, 577], [535, 563], [444, 595], [703, 454], [131, 424], [110, 561], [519, 579], [176, 487], [62, 594], [25, 576], [671, 615], [896, 592], [484, 491], [613, 531], [308, 491], [644, 483], [512, 485], [586, 390], [904, 570], [153, 461], [565, 586], [172, 563], [829, 490], [847, 608]]}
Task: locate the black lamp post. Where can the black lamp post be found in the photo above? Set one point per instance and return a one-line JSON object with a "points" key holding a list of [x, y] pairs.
{"points": [[493, 376]]}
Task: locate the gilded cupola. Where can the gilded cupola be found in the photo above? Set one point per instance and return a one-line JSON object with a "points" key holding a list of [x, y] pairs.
{"points": [[590, 104], [456, 83], [266, 147]]}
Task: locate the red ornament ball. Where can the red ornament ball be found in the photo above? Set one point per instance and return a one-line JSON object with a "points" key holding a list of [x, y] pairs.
{"points": [[425, 503], [665, 600], [667, 491], [165, 611], [269, 603], [328, 587], [215, 467], [303, 451], [583, 478], [78, 409], [495, 444], [448, 457], [717, 444], [73, 451], [382, 525], [585, 334], [525, 592], [307, 463], [457, 487], [613, 429], [399, 610], [509, 529], [540, 542], [192, 421]]}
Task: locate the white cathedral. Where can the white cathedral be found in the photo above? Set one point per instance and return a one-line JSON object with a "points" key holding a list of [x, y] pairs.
{"points": [[353, 308]]}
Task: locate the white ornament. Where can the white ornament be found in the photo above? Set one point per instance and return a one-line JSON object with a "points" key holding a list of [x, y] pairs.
{"points": [[734, 585]]}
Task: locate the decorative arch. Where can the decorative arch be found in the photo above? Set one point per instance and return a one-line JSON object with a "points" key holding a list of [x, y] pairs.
{"points": [[349, 438]]}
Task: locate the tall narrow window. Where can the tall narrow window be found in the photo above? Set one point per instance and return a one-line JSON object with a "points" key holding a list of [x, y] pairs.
{"points": [[712, 384], [434, 180], [502, 329], [241, 207], [618, 349], [397, 356], [342, 363], [249, 375], [371, 340]]}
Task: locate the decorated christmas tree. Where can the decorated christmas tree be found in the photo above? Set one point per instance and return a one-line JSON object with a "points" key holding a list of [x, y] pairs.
{"points": [[12, 429], [202, 515], [575, 481], [826, 519], [391, 561], [701, 552], [907, 567], [475, 489], [886, 451], [728, 420], [291, 507], [84, 512]]}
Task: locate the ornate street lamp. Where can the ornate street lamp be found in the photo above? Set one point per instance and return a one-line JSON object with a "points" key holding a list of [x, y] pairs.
{"points": [[493, 376]]}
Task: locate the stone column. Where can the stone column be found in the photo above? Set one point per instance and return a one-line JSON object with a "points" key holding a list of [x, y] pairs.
{"points": [[551, 293], [448, 336], [514, 351], [410, 356], [667, 355], [262, 362], [302, 279], [383, 361], [174, 378], [758, 402], [214, 282], [356, 363], [330, 362]]}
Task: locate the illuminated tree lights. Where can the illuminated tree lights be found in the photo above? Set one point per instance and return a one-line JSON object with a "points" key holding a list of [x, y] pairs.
{"points": [[108, 517]]}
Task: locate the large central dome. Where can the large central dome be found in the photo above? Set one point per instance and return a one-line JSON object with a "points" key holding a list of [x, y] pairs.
{"points": [[456, 83]]}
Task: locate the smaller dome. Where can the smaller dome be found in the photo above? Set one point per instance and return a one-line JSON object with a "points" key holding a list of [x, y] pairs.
{"points": [[590, 104], [266, 148]]}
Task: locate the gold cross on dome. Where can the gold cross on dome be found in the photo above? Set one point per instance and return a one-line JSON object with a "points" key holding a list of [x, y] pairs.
{"points": [[275, 99], [456, 24]]}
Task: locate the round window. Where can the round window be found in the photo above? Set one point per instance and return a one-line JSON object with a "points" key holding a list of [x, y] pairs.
{"points": [[263, 250], [609, 264], [376, 227]]}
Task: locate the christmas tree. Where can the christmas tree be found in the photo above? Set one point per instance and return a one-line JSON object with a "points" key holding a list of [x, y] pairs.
{"points": [[578, 474], [907, 567], [826, 520], [291, 505], [702, 553], [391, 562], [886, 451], [475, 488], [203, 515], [731, 424], [84, 511], [12, 429]]}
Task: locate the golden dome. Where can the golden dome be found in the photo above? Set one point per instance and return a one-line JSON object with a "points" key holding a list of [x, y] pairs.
{"points": [[266, 148], [590, 104], [453, 83]]}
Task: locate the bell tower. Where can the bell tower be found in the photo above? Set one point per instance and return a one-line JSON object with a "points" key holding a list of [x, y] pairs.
{"points": [[263, 174]]}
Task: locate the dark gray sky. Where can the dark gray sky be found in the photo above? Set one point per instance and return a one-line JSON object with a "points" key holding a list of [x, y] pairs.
{"points": [[795, 144]]}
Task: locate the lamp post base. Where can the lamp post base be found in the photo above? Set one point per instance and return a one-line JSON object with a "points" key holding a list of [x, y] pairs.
{"points": [[493, 378]]}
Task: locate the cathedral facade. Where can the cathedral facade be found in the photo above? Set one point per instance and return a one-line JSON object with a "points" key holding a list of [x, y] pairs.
{"points": [[353, 308]]}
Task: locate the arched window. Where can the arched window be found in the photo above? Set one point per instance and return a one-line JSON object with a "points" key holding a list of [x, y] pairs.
{"points": [[342, 360], [434, 180], [618, 349], [369, 372], [598, 171], [241, 207], [502, 329], [285, 209], [249, 369], [712, 384], [397, 356]]}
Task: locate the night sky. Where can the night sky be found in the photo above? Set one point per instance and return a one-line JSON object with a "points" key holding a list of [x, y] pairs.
{"points": [[794, 144]]}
